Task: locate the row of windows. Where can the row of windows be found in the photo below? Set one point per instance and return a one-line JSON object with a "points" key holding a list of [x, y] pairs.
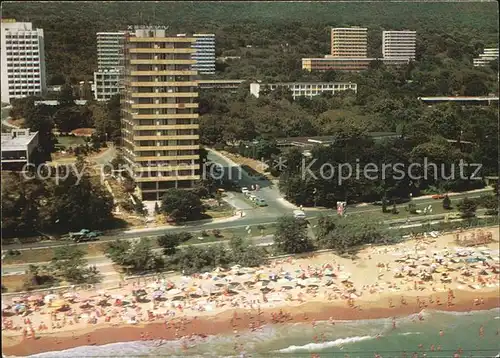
{"points": [[23, 93], [22, 36], [34, 64], [24, 70]]}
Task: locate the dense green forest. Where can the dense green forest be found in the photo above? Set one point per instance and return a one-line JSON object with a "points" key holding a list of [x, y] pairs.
{"points": [[280, 33]]}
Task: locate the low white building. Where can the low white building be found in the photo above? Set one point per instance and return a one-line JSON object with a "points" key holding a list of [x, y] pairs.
{"points": [[305, 89], [17, 148], [107, 83], [485, 58]]}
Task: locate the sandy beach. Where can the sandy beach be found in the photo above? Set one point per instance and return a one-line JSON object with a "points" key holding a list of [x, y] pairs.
{"points": [[393, 281]]}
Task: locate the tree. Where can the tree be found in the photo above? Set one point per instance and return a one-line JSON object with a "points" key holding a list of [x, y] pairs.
{"points": [[291, 236], [181, 205], [467, 207], [344, 234], [68, 263], [490, 203], [170, 241], [77, 201], [245, 254], [66, 97], [135, 257], [446, 203]]}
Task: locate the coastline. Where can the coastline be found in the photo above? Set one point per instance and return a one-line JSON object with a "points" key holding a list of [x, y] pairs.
{"points": [[224, 322]]}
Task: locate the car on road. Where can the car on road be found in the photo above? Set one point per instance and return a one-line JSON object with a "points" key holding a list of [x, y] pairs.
{"points": [[438, 196], [299, 214], [260, 202], [85, 235], [245, 190]]}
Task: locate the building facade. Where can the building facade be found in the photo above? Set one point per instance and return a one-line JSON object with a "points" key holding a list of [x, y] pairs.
{"points": [[205, 54], [349, 42], [110, 61], [107, 83], [22, 60], [305, 89], [330, 63], [485, 58], [159, 111], [17, 149], [110, 50], [399, 44]]}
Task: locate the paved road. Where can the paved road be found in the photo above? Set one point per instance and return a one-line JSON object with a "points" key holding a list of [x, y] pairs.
{"points": [[254, 216]]}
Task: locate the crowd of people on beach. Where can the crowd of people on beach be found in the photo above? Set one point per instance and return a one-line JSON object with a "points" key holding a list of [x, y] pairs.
{"points": [[398, 271]]}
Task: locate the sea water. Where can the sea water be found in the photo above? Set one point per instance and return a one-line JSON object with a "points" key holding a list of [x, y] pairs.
{"points": [[343, 339]]}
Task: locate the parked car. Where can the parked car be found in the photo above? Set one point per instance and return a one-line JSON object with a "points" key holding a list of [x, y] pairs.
{"points": [[245, 190], [85, 235]]}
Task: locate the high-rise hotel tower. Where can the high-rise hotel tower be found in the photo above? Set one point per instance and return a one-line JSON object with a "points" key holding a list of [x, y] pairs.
{"points": [[160, 119]]}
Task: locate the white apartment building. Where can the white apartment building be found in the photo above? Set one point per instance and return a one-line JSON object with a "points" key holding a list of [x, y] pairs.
{"points": [[305, 89], [205, 54], [107, 83], [485, 58], [22, 60], [399, 44], [110, 62], [349, 42], [110, 49]]}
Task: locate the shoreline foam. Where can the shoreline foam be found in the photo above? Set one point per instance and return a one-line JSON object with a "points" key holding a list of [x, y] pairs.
{"points": [[222, 323]]}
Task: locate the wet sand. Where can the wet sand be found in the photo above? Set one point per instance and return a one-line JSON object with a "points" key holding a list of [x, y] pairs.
{"points": [[241, 320]]}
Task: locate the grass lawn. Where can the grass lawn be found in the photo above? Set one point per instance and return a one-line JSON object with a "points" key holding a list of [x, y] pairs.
{"points": [[227, 234], [46, 254], [222, 211]]}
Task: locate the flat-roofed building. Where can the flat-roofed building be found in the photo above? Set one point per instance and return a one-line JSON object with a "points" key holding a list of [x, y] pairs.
{"points": [[304, 89], [219, 84], [22, 60], [485, 58], [479, 100], [159, 111], [331, 63], [205, 54], [399, 44], [17, 149], [349, 42]]}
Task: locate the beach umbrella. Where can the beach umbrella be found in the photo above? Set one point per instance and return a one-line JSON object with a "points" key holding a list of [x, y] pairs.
{"points": [[57, 304], [35, 298], [344, 276], [69, 295], [262, 284], [174, 292], [157, 294], [49, 298], [117, 297], [86, 305], [17, 299], [154, 285]]}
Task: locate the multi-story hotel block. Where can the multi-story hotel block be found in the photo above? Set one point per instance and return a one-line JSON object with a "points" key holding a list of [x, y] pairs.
{"points": [[400, 44], [205, 54], [107, 83], [349, 42], [159, 111], [485, 58], [23, 60], [110, 50], [108, 77], [304, 89]]}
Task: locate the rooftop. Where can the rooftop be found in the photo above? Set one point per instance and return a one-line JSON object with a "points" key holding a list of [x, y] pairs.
{"points": [[460, 98], [18, 139], [79, 102]]}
